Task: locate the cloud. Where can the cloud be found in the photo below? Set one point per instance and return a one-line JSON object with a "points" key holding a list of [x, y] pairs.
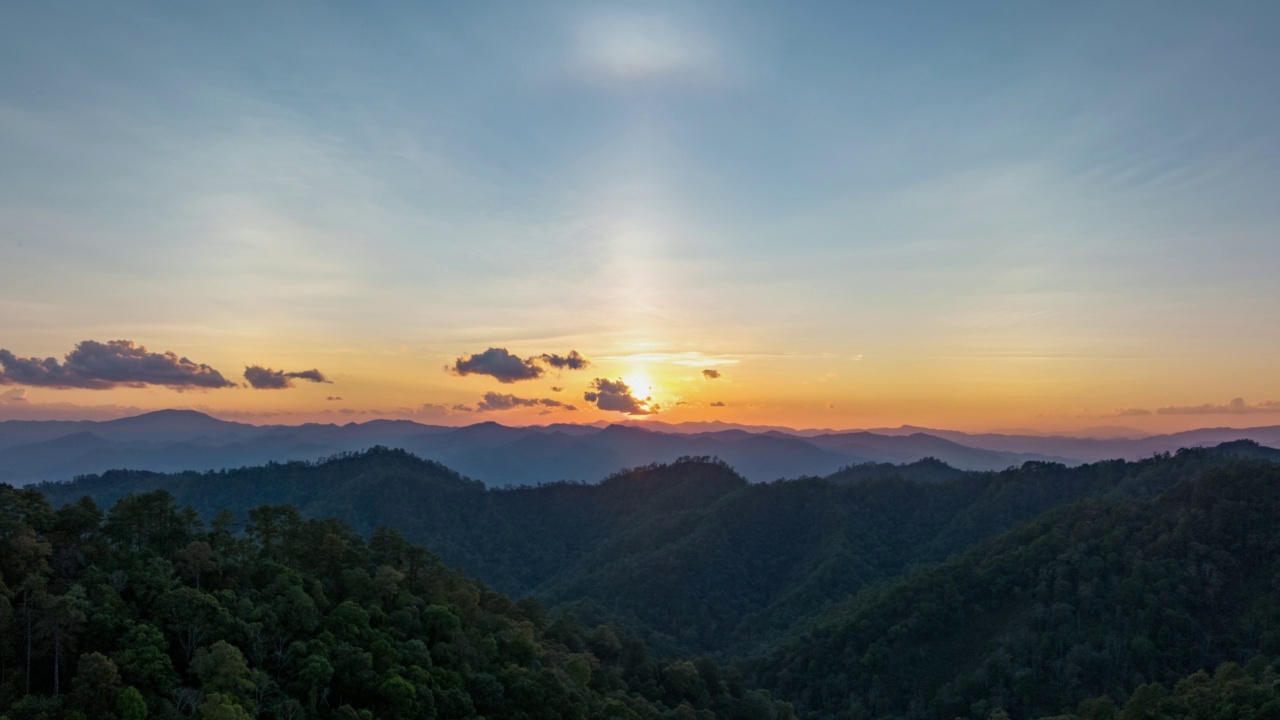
{"points": [[557, 389], [615, 396], [100, 366], [499, 401], [1237, 406], [710, 374], [572, 361], [717, 404], [262, 378], [16, 395], [332, 398], [500, 364], [1130, 412], [312, 375]]}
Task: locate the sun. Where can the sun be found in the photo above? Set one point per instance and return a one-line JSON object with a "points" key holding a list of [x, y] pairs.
{"points": [[640, 383]]}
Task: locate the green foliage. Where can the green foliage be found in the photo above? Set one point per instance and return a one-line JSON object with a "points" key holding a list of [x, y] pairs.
{"points": [[1095, 592], [298, 619], [1111, 596], [130, 705]]}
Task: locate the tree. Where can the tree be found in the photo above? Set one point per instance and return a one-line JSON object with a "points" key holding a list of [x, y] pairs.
{"points": [[191, 615], [316, 673], [399, 698], [143, 659], [63, 617], [96, 686], [151, 521], [130, 704], [222, 670], [195, 560], [220, 707]]}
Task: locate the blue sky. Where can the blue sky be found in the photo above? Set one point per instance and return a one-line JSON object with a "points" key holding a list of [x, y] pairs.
{"points": [[874, 213]]}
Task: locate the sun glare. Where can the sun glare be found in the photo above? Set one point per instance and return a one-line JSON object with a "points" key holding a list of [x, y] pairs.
{"points": [[640, 383]]}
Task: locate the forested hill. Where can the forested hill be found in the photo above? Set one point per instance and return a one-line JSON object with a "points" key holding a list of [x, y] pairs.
{"points": [[1095, 598], [147, 612], [1098, 592], [688, 554]]}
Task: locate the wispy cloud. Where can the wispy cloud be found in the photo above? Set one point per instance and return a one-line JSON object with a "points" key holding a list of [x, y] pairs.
{"points": [[687, 359], [629, 46], [1129, 412], [1237, 406], [499, 401], [14, 396]]}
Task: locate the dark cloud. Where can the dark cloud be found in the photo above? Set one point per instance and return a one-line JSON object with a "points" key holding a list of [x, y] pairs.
{"points": [[312, 375], [557, 389], [500, 364], [332, 398], [717, 404], [499, 401], [572, 361], [1237, 406], [262, 378], [265, 378], [615, 396], [710, 374], [507, 368], [118, 363]]}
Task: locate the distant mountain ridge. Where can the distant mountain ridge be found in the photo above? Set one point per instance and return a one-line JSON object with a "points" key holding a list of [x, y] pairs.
{"points": [[499, 455]]}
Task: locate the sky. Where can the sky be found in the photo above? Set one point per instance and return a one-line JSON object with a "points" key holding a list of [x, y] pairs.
{"points": [[975, 216]]}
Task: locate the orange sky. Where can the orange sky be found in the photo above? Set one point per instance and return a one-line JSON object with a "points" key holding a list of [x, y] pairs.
{"points": [[863, 217]]}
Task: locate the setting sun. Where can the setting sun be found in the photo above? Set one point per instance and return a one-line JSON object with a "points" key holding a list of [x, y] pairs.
{"points": [[640, 383]]}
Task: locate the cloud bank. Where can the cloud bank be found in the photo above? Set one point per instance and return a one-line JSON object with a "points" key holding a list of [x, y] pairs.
{"points": [[101, 366], [1237, 406], [615, 396]]}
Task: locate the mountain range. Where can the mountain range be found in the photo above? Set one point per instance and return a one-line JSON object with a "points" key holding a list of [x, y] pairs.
{"points": [[912, 591], [499, 455]]}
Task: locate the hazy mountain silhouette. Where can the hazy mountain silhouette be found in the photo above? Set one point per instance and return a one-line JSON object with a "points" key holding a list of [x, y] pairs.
{"points": [[172, 440]]}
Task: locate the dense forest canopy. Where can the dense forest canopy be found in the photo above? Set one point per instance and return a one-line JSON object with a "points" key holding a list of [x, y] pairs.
{"points": [[882, 591], [145, 611]]}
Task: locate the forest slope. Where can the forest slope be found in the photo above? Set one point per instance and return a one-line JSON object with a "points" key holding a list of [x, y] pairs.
{"points": [[688, 554]]}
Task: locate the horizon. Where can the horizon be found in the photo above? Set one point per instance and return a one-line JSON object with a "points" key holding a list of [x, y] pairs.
{"points": [[1100, 432], [1052, 219]]}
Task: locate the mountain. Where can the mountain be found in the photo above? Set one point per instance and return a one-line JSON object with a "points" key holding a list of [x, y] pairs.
{"points": [[144, 612], [928, 470], [889, 591], [1092, 599], [689, 554], [173, 440]]}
